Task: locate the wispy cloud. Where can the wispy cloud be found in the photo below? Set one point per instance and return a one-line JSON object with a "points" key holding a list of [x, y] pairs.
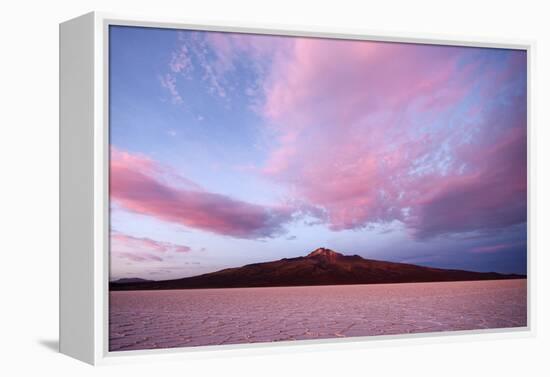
{"points": [[489, 249], [128, 242], [142, 249], [137, 256], [215, 58], [181, 61], [168, 81]]}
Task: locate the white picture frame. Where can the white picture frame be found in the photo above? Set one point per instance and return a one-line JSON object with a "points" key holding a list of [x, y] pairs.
{"points": [[84, 206]]}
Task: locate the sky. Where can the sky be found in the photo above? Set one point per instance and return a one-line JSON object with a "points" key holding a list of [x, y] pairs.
{"points": [[228, 149]]}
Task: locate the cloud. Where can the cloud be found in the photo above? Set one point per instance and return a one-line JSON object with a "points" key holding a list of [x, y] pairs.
{"points": [[498, 247], [490, 249], [491, 196], [216, 58], [138, 257], [142, 249], [141, 185], [142, 243], [193, 54], [372, 132], [181, 61], [168, 81]]}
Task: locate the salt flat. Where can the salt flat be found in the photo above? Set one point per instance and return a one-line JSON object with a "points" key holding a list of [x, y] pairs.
{"points": [[182, 318]]}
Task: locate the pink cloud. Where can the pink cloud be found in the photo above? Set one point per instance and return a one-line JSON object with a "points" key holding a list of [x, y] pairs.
{"points": [[127, 242], [138, 257], [373, 132], [181, 61], [339, 81], [120, 160], [138, 184]]}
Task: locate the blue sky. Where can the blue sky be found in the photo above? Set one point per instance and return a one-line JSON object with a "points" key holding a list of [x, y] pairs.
{"points": [[229, 149]]}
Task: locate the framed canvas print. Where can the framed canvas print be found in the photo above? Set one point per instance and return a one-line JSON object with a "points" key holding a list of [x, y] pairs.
{"points": [[225, 187]]}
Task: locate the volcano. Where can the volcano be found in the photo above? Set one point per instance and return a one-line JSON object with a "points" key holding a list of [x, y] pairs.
{"points": [[320, 267]]}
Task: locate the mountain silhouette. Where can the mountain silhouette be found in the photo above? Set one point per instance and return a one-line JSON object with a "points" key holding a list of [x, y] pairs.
{"points": [[320, 267], [130, 280]]}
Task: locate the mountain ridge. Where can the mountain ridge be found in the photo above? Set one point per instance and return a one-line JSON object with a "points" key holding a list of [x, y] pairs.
{"points": [[130, 280], [322, 266]]}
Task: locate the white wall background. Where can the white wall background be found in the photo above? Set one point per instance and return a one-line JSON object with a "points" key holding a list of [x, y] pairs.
{"points": [[29, 184]]}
